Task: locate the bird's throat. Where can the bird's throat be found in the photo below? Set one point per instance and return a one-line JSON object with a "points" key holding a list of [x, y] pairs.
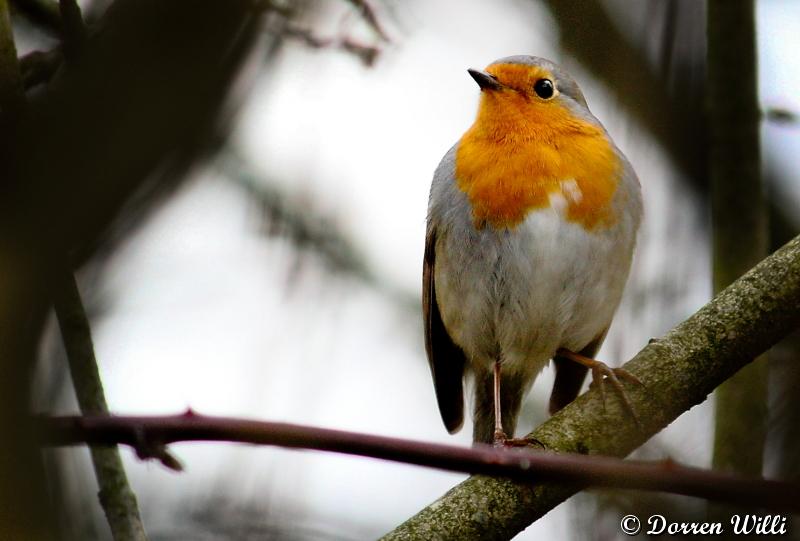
{"points": [[510, 164]]}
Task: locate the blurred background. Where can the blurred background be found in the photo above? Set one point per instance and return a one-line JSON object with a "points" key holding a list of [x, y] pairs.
{"points": [[264, 259]]}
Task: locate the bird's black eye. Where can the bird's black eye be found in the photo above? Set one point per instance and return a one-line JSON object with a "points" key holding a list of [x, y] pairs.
{"points": [[544, 88]]}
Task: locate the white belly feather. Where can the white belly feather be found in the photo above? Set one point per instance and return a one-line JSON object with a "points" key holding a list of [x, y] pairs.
{"points": [[520, 294]]}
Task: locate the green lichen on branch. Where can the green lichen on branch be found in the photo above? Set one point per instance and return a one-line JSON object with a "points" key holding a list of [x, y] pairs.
{"points": [[679, 371]]}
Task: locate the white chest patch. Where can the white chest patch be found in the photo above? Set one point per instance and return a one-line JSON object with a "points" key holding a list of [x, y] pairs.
{"points": [[569, 193], [571, 190]]}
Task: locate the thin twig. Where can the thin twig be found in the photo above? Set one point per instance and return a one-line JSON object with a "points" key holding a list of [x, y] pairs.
{"points": [[367, 53], [518, 464], [116, 496], [779, 115], [370, 15]]}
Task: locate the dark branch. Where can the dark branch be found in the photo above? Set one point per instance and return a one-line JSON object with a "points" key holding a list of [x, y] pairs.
{"points": [[365, 52], [779, 115], [520, 465], [370, 15]]}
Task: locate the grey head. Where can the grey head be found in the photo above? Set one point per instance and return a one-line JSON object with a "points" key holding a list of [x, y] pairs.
{"points": [[565, 84]]}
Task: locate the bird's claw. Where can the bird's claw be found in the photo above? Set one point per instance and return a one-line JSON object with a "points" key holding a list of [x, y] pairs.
{"points": [[602, 372], [502, 441], [524, 442]]}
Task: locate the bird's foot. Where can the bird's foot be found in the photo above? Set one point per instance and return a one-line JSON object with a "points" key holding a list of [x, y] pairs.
{"points": [[524, 442], [602, 372], [500, 439], [503, 441]]}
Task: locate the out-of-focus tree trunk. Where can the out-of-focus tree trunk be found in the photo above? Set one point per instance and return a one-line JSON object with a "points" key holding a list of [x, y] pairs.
{"points": [[123, 122], [739, 216], [24, 505], [782, 453], [587, 31], [782, 458]]}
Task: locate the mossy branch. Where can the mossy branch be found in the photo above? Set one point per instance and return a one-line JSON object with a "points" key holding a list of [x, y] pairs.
{"points": [[679, 371], [116, 496]]}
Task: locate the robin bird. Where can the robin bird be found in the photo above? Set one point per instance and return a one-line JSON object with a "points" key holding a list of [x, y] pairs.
{"points": [[532, 222]]}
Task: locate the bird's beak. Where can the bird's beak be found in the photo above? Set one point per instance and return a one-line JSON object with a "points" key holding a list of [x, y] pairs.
{"points": [[484, 80]]}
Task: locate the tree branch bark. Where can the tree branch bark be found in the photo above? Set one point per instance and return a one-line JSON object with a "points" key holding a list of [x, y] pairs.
{"points": [[116, 496], [679, 371], [149, 435]]}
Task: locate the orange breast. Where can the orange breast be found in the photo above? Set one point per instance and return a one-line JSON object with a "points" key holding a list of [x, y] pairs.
{"points": [[511, 164]]}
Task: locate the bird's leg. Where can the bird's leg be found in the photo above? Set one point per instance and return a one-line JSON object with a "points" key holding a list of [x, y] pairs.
{"points": [[499, 436], [600, 372]]}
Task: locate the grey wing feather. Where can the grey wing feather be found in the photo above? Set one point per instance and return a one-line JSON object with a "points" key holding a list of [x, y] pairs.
{"points": [[446, 359]]}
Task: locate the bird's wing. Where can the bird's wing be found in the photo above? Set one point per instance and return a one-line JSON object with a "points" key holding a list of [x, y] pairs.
{"points": [[446, 359], [570, 376]]}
